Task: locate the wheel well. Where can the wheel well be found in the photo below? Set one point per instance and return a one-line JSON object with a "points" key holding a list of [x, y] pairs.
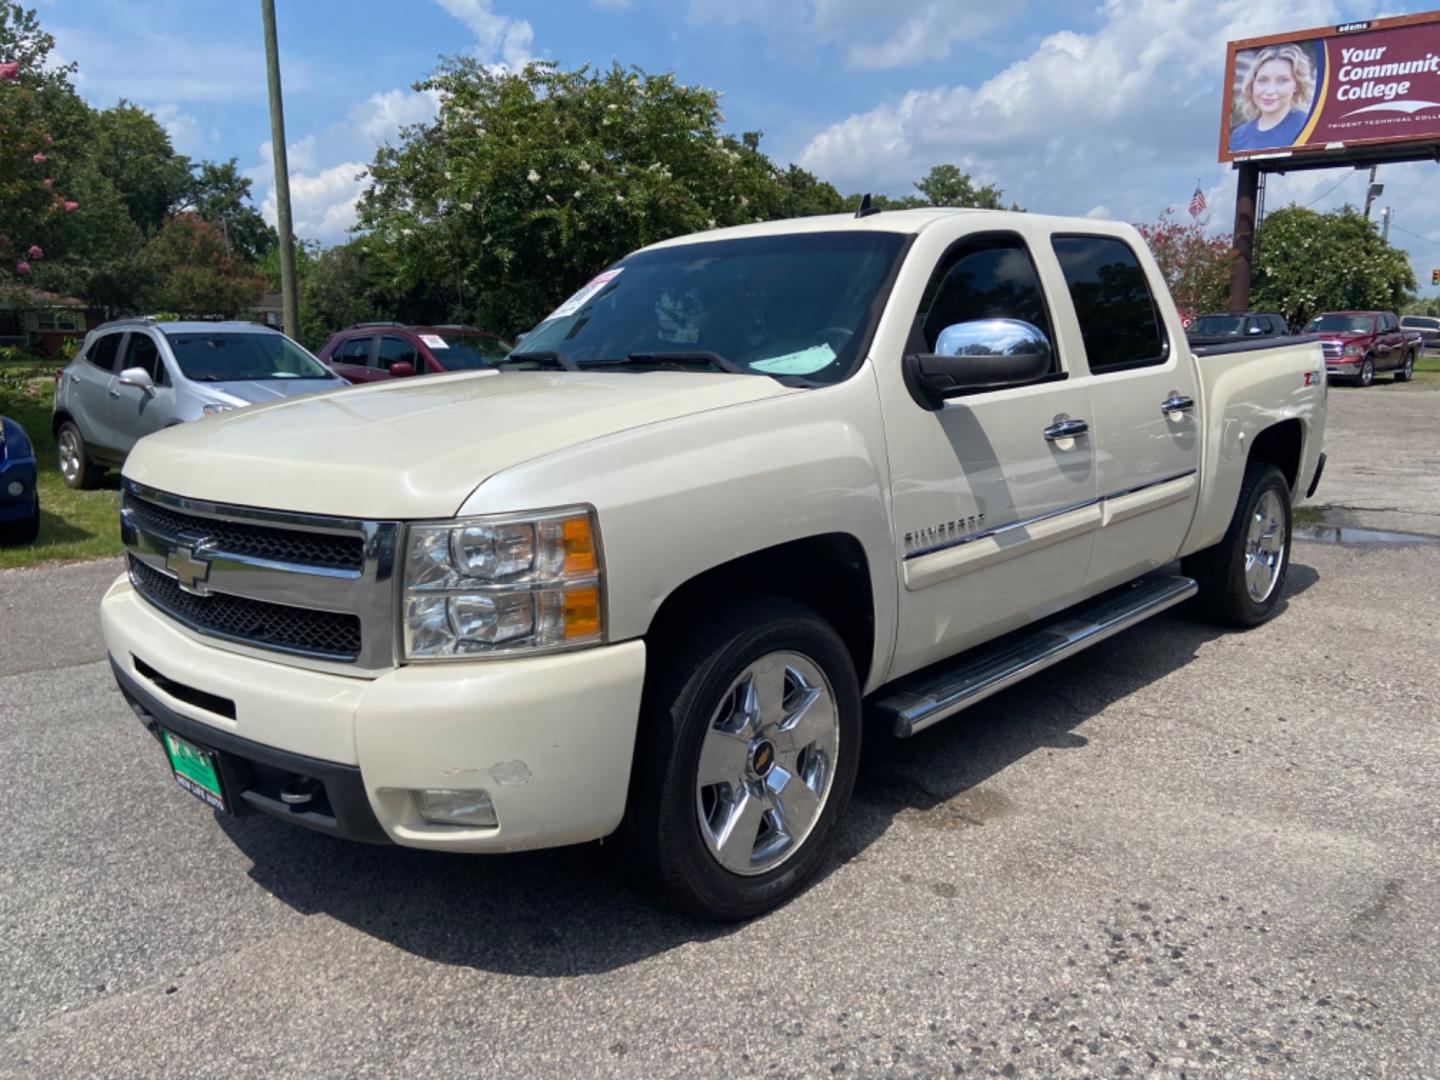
{"points": [[1280, 446], [828, 573], [58, 419]]}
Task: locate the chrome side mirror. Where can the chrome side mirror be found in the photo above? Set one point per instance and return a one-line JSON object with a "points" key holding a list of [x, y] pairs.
{"points": [[139, 378], [984, 354]]}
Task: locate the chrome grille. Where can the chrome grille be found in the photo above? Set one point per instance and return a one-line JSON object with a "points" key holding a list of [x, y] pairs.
{"points": [[259, 541], [316, 591], [325, 634], [1333, 350]]}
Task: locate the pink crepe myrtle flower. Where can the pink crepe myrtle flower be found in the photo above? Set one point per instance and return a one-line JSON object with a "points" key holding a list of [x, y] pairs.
{"points": [[71, 206], [10, 72], [22, 267], [39, 158], [36, 252]]}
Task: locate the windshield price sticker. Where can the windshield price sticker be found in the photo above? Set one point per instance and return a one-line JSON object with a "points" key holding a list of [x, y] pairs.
{"points": [[586, 294], [435, 341]]}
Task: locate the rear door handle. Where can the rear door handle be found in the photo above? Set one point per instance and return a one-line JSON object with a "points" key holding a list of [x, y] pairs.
{"points": [[1176, 403], [114, 393], [1065, 429]]}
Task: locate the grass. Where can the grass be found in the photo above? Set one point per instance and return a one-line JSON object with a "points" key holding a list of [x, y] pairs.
{"points": [[73, 524], [1427, 371]]}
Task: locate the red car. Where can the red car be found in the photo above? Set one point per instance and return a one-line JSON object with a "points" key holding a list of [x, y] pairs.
{"points": [[1357, 344], [367, 352]]}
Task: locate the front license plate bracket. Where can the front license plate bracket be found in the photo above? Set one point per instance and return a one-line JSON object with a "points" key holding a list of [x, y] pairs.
{"points": [[196, 769]]}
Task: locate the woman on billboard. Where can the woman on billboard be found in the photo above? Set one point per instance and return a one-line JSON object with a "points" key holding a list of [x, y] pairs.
{"points": [[1275, 99]]}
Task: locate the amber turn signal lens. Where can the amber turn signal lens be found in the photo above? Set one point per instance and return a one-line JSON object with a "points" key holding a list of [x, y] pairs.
{"points": [[579, 547], [582, 613]]}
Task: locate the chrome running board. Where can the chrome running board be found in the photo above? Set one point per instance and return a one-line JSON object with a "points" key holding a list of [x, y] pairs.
{"points": [[915, 702]]}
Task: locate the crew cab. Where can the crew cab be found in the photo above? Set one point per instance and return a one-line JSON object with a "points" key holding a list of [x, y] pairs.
{"points": [[371, 352], [1221, 328], [1357, 344], [739, 491]]}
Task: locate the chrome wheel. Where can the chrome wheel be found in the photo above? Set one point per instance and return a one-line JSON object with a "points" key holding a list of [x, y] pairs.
{"points": [[1367, 372], [1409, 367], [767, 763], [71, 455], [1265, 543]]}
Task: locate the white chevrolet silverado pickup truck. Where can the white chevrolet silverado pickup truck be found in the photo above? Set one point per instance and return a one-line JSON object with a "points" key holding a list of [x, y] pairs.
{"points": [[740, 492]]}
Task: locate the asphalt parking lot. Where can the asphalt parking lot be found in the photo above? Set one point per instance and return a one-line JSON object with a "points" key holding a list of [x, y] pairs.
{"points": [[1183, 851]]}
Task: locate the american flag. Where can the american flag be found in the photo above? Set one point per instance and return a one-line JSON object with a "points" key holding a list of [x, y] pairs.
{"points": [[1197, 202]]}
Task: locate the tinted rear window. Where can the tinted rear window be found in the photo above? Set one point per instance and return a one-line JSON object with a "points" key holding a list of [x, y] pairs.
{"points": [[102, 353], [1119, 321]]}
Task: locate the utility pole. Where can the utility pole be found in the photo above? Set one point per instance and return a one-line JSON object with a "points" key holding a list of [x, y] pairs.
{"points": [[1372, 192], [290, 295], [1386, 213]]}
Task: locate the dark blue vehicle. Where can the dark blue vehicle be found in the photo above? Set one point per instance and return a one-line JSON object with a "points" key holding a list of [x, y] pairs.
{"points": [[19, 501]]}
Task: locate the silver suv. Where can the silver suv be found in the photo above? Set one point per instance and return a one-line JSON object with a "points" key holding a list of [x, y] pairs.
{"points": [[135, 376]]}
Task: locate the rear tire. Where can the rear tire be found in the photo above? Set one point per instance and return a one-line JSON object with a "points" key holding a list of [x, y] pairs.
{"points": [[1407, 370], [1243, 576], [748, 749], [73, 458]]}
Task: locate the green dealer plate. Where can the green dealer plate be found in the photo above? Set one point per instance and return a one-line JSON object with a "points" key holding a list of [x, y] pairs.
{"points": [[195, 770]]}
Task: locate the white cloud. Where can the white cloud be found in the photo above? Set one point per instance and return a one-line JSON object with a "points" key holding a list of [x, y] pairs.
{"points": [[1100, 213], [1085, 120], [499, 39], [322, 204], [187, 134], [872, 36], [381, 116]]}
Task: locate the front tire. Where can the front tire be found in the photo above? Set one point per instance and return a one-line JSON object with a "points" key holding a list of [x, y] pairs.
{"points": [[749, 746], [1243, 576], [1367, 372], [73, 459]]}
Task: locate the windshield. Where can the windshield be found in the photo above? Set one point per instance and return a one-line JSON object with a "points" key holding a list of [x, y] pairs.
{"points": [[231, 356], [797, 304], [1216, 325], [467, 352], [1323, 324]]}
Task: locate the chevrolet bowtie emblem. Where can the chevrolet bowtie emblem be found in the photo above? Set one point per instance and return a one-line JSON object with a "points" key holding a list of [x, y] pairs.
{"points": [[188, 570]]}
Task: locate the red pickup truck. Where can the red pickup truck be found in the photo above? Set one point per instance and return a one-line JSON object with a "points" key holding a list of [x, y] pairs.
{"points": [[1357, 344]]}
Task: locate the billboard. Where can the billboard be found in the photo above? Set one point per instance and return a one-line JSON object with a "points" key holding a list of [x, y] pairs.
{"points": [[1364, 83]]}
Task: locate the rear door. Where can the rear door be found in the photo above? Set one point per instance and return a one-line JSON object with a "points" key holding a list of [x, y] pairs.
{"points": [[133, 412], [1143, 399], [351, 360], [89, 395]]}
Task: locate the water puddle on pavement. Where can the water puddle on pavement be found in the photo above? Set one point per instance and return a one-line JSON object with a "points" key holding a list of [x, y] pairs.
{"points": [[1322, 526]]}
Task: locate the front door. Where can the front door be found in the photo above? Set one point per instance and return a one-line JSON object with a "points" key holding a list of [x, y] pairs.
{"points": [[993, 506], [1146, 416], [135, 413]]}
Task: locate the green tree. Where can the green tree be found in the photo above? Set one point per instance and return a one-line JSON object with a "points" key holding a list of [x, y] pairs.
{"points": [[527, 184], [220, 193], [347, 284], [1308, 262], [803, 195], [133, 151], [943, 185], [197, 275]]}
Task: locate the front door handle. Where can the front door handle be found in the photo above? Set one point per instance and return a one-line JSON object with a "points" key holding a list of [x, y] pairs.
{"points": [[1176, 403], [1065, 429], [114, 393]]}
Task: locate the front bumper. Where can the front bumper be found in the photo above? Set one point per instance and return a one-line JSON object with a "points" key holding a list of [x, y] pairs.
{"points": [[17, 471], [1342, 367], [550, 738]]}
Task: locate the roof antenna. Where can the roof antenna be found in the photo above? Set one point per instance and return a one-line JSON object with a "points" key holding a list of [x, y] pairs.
{"points": [[865, 208]]}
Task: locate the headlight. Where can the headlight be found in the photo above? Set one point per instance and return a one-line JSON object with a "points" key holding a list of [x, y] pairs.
{"points": [[210, 408], [502, 584], [1353, 350]]}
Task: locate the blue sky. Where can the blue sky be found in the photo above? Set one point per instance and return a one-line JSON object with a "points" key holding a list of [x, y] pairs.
{"points": [[1105, 108]]}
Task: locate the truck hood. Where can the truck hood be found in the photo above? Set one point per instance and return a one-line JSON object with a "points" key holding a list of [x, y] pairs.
{"points": [[415, 448]]}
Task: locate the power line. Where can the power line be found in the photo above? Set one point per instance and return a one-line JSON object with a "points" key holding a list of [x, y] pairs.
{"points": [[1328, 190], [1411, 232]]}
